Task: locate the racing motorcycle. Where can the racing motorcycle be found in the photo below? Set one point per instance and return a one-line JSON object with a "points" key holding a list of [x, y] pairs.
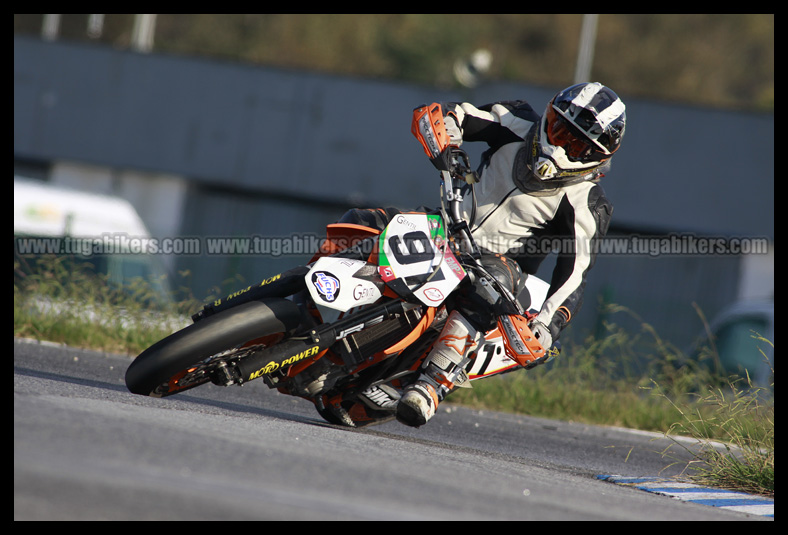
{"points": [[350, 330]]}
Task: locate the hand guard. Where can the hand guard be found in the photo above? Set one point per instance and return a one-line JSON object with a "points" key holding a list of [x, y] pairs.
{"points": [[429, 128], [520, 344]]}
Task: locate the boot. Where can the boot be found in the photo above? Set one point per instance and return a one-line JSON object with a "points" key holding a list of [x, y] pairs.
{"points": [[382, 397], [442, 371]]}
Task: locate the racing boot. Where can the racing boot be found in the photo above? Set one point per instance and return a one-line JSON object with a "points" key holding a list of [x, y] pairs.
{"points": [[442, 371], [381, 397]]}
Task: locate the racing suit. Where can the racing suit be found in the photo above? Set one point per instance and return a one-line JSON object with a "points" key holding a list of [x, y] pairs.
{"points": [[522, 217], [512, 216]]}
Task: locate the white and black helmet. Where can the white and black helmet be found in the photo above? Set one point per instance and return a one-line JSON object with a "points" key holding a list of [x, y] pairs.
{"points": [[581, 129]]}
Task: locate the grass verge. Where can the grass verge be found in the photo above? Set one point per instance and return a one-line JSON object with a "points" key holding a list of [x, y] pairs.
{"points": [[621, 379], [640, 381], [58, 302]]}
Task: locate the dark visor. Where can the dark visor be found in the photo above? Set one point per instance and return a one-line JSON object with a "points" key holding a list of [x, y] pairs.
{"points": [[578, 147]]}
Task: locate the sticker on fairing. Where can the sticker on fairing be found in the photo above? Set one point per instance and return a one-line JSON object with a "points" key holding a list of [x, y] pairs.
{"points": [[414, 249], [491, 358], [326, 284], [332, 283]]}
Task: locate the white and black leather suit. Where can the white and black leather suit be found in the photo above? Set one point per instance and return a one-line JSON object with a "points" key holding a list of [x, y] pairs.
{"points": [[514, 214]]}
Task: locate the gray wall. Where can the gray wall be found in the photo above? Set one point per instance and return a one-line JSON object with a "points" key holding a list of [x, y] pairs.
{"points": [[271, 152]]}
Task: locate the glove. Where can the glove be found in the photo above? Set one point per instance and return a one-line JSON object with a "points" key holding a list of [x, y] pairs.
{"points": [[542, 333], [453, 129]]}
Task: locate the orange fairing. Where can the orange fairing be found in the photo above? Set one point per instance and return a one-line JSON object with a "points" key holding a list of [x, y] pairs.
{"points": [[340, 236]]}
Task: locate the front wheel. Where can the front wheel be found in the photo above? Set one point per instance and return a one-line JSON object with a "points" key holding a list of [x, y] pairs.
{"points": [[189, 357]]}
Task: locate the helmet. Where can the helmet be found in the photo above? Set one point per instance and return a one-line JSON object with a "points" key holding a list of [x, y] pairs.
{"points": [[581, 129]]}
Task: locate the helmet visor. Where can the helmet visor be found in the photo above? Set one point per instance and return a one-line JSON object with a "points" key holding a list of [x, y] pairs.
{"points": [[564, 134]]}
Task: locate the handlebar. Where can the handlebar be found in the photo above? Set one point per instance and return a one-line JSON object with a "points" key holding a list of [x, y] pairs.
{"points": [[459, 176], [454, 181]]}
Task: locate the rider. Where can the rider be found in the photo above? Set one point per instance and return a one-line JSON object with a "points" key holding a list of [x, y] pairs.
{"points": [[538, 180]]}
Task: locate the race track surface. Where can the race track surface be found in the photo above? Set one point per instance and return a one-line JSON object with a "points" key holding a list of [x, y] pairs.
{"points": [[86, 449]]}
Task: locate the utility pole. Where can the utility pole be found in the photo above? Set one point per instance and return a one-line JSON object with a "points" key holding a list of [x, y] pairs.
{"points": [[585, 53], [142, 32], [51, 27], [95, 25]]}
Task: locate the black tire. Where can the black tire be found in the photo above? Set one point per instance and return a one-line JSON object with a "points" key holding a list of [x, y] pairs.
{"points": [[343, 418], [155, 367]]}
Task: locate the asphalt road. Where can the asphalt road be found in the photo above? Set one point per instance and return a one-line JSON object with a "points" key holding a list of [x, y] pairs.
{"points": [[86, 449]]}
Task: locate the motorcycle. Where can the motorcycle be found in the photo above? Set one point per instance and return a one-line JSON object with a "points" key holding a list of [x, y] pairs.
{"points": [[359, 318]]}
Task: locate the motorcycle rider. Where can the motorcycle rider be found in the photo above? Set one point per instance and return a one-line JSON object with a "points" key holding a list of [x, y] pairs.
{"points": [[538, 180]]}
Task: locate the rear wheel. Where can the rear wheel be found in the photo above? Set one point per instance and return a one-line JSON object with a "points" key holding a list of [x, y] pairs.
{"points": [[201, 351]]}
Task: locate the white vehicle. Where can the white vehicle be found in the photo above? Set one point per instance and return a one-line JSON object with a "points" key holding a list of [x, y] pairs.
{"points": [[102, 231]]}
